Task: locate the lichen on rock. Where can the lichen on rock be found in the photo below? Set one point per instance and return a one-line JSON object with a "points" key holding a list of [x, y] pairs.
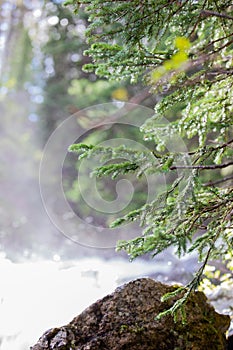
{"points": [[126, 320]]}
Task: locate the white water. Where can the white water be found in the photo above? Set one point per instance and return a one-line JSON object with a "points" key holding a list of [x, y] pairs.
{"points": [[36, 296]]}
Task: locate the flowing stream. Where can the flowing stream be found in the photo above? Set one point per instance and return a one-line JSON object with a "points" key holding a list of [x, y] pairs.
{"points": [[36, 296]]}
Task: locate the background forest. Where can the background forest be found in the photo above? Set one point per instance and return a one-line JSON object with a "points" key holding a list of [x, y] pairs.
{"points": [[42, 83]]}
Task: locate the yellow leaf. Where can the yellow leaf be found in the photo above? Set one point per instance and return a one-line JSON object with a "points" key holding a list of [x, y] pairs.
{"points": [[168, 65], [182, 43], [179, 58], [157, 74], [120, 94]]}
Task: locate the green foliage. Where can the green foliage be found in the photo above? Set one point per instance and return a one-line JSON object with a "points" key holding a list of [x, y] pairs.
{"points": [[184, 51], [125, 42], [20, 70], [91, 92]]}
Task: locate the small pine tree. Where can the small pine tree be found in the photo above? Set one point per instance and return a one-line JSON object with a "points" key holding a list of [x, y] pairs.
{"points": [[184, 51]]}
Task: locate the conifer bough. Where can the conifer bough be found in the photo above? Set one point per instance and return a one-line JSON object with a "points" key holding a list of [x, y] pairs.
{"points": [[184, 51]]}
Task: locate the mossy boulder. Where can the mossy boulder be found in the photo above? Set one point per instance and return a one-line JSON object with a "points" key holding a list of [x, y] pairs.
{"points": [[125, 320]]}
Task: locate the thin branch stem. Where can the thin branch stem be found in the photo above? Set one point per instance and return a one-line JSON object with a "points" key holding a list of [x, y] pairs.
{"points": [[215, 14], [202, 167], [198, 20], [224, 179], [223, 145]]}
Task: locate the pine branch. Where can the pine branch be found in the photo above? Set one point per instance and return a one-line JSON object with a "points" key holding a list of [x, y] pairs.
{"points": [[196, 98]]}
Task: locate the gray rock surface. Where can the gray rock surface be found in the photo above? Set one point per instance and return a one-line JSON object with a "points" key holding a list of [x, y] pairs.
{"points": [[125, 320]]}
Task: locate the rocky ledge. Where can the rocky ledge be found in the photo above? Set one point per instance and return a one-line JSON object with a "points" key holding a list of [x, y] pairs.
{"points": [[125, 320]]}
